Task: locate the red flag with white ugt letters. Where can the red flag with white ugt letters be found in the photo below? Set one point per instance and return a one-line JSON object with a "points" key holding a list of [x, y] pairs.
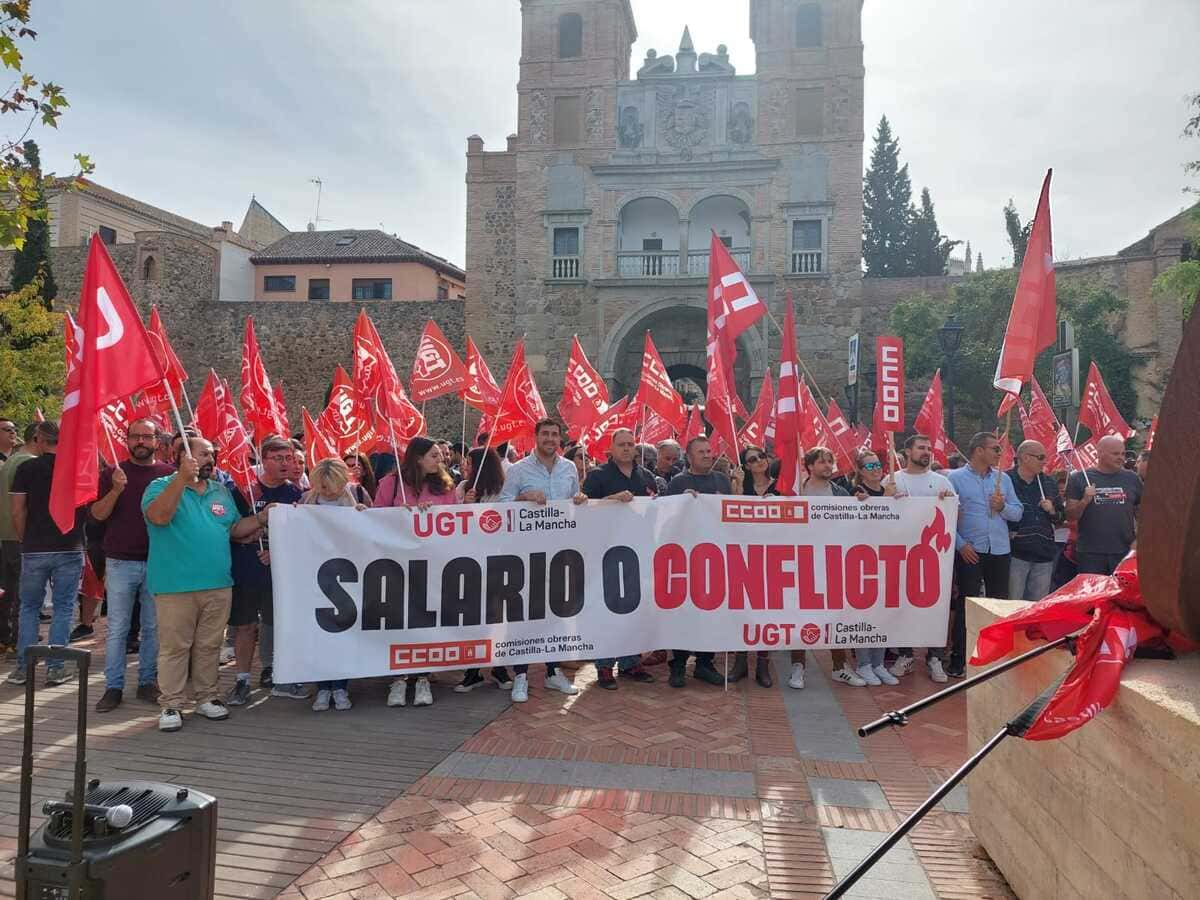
{"points": [[436, 370]]}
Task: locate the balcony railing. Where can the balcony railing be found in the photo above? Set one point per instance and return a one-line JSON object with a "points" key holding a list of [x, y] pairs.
{"points": [[648, 264], [698, 260], [807, 262], [564, 267]]}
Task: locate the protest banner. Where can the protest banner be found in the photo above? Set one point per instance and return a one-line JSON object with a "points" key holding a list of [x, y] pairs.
{"points": [[395, 591]]}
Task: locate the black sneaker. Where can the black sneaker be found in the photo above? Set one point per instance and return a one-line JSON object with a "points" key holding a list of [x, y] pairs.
{"points": [[605, 679], [500, 676], [239, 694], [81, 632], [706, 673], [132, 648], [956, 671], [677, 679], [267, 680], [637, 673], [470, 681]]}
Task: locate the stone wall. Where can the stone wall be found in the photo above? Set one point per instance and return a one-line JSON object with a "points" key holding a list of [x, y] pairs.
{"points": [[301, 343], [1110, 809]]}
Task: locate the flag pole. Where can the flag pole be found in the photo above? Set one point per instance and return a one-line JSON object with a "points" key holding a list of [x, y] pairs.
{"points": [[187, 447], [463, 441], [187, 402], [641, 435]]}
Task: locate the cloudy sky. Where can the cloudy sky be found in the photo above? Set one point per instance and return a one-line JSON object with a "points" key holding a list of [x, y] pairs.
{"points": [[194, 106]]}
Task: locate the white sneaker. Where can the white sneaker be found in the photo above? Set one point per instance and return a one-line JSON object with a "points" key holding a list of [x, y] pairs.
{"points": [[422, 695], [884, 675], [936, 672], [170, 720], [902, 666], [322, 702], [341, 699], [558, 682], [867, 674], [797, 678], [397, 691], [846, 675], [213, 710], [520, 688]]}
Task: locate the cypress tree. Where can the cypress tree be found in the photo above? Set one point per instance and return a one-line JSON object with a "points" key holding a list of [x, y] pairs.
{"points": [[930, 248], [887, 209], [34, 257]]}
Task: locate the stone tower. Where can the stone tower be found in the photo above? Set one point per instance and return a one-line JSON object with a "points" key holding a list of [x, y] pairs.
{"points": [[597, 217]]}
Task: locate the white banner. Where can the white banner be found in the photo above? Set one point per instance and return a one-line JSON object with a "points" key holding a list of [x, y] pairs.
{"points": [[390, 591]]}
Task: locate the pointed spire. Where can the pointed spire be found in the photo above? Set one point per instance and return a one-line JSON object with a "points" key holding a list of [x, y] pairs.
{"points": [[685, 43], [685, 59]]}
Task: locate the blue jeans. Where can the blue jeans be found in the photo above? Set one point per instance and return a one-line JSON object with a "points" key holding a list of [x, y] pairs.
{"points": [[869, 656], [64, 572], [624, 664], [1029, 580], [125, 581]]}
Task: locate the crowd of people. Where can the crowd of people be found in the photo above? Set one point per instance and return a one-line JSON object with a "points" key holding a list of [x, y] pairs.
{"points": [[183, 551]]}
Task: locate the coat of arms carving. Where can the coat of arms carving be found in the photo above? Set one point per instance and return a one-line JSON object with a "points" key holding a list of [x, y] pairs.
{"points": [[685, 116]]}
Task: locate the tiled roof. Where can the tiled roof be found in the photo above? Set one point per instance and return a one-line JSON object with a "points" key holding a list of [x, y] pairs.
{"points": [[169, 219], [350, 245]]}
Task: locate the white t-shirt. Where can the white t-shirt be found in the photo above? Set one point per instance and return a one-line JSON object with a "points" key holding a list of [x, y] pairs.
{"points": [[927, 484]]}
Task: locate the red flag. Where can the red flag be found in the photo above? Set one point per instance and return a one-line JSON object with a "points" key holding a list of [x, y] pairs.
{"points": [[815, 431], [695, 425], [597, 437], [841, 426], [1007, 455], [113, 359], [346, 419], [520, 405], [656, 429], [585, 395], [394, 418], [733, 306], [1149, 437], [1097, 412], [880, 443], [167, 360], [210, 407], [929, 420], [655, 389], [1033, 322], [755, 431], [281, 411], [788, 409], [437, 370], [258, 397], [889, 382], [718, 409], [1040, 424], [233, 443], [481, 390], [112, 427], [317, 444]]}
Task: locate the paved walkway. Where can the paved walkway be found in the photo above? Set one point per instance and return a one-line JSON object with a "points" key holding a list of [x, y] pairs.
{"points": [[647, 791]]}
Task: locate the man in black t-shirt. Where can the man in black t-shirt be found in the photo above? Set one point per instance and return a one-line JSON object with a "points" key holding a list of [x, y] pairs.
{"points": [[1105, 506], [698, 479], [252, 597], [621, 478], [47, 556]]}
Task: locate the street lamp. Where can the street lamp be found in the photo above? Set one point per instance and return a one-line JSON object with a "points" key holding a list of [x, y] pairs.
{"points": [[949, 339]]}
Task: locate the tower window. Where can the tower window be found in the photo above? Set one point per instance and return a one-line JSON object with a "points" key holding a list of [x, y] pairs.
{"points": [[808, 25], [570, 35]]}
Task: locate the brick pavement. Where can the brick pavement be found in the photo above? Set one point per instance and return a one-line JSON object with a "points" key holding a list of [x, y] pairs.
{"points": [[654, 792]]}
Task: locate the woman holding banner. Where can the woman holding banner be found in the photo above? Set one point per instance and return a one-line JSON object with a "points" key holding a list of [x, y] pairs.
{"points": [[421, 481]]}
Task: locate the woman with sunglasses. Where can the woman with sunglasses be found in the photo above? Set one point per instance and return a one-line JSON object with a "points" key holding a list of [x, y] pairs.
{"points": [[868, 477], [362, 478], [757, 481]]}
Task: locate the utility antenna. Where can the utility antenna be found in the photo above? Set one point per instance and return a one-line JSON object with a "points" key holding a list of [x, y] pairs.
{"points": [[317, 215]]}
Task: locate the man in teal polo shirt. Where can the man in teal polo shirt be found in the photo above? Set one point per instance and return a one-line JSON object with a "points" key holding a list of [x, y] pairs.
{"points": [[190, 519]]}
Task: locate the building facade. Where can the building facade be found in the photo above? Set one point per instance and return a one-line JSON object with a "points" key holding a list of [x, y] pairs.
{"points": [[596, 219]]}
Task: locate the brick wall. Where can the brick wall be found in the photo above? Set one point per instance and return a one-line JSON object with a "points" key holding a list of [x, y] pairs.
{"points": [[301, 343]]}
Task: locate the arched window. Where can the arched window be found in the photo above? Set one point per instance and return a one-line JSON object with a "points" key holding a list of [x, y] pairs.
{"points": [[808, 25], [150, 269], [570, 35]]}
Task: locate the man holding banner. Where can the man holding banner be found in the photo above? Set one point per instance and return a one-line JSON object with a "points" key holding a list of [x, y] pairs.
{"points": [[540, 477]]}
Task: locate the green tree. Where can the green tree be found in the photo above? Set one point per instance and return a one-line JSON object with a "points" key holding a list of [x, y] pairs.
{"points": [[887, 209], [981, 303], [32, 355], [32, 260], [930, 249], [1018, 234], [1182, 281]]}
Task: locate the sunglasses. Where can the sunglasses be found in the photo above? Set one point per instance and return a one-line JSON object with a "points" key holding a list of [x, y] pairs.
{"points": [[755, 458], [872, 466]]}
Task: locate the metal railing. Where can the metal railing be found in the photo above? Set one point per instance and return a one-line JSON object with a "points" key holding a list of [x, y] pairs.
{"points": [[807, 262], [648, 264], [698, 260], [564, 267]]}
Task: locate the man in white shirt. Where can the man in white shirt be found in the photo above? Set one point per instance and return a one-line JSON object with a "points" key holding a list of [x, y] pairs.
{"points": [[916, 480]]}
